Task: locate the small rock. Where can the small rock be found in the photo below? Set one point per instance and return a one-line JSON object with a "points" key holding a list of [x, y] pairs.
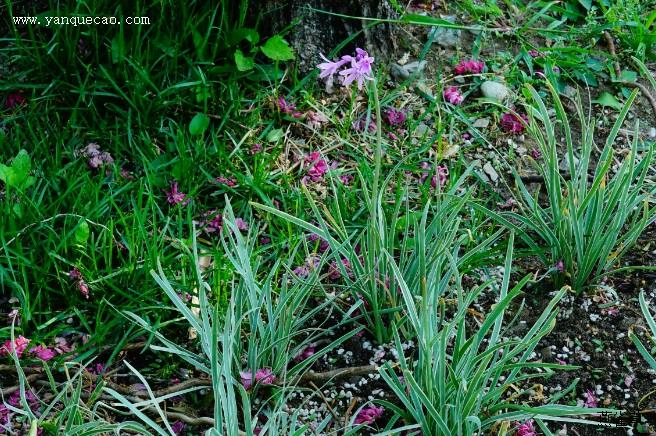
{"points": [[415, 67], [564, 163], [652, 132], [404, 72], [481, 123], [421, 129], [422, 87], [494, 90], [399, 73], [491, 172], [444, 36], [569, 91]]}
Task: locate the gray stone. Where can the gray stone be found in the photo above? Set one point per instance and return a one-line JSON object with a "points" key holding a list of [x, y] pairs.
{"points": [[652, 132], [444, 36], [491, 172], [494, 90], [481, 123], [564, 163], [404, 72], [421, 129]]}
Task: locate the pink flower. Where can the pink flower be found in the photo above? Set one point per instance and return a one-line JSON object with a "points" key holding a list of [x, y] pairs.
{"points": [[360, 69], [14, 317], [334, 272], [591, 400], [525, 429], [263, 376], [97, 157], [369, 414], [81, 285], [305, 353], [318, 166], [330, 68], [288, 108], [18, 345], [361, 124], [256, 148], [311, 263], [511, 123], [453, 96], [241, 224], [178, 427], [42, 352], [439, 178], [346, 179], [315, 119], [394, 117], [212, 222], [508, 204], [535, 54], [301, 271], [229, 182], [470, 66], [323, 244], [560, 266], [174, 196], [14, 99], [535, 154], [62, 346]]}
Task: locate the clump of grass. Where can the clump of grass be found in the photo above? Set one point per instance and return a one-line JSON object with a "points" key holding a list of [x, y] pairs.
{"points": [[458, 381], [589, 217]]}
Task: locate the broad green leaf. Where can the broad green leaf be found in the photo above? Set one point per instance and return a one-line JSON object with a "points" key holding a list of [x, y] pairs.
{"points": [[277, 49], [628, 76], [244, 63], [82, 232], [608, 99], [118, 49], [587, 4], [243, 33], [199, 123], [17, 176], [274, 135]]}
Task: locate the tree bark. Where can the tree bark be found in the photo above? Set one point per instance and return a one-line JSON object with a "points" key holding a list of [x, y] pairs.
{"points": [[315, 32]]}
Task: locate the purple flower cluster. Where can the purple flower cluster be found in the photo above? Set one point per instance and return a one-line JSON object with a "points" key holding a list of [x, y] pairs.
{"points": [[305, 353], [359, 68], [535, 53], [212, 223], [369, 414], [311, 263], [453, 96], [174, 196], [512, 123], [288, 108], [317, 167], [15, 401], [229, 182], [76, 276], [469, 67], [263, 376], [97, 157], [334, 271], [14, 99], [591, 400], [440, 175], [394, 117], [19, 345], [525, 429]]}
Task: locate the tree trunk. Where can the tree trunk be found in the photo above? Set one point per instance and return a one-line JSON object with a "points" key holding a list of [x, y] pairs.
{"points": [[314, 32]]}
